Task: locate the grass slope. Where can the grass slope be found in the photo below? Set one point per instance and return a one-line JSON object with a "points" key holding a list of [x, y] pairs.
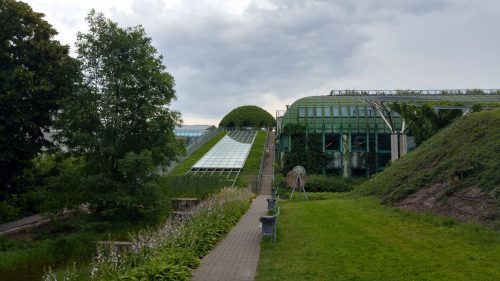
{"points": [[349, 238], [252, 164], [466, 153]]}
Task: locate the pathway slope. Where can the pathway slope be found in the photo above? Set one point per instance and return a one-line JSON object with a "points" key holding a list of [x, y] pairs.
{"points": [[236, 257]]}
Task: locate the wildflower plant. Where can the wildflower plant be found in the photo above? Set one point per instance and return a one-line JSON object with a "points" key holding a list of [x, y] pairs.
{"points": [[174, 250]]}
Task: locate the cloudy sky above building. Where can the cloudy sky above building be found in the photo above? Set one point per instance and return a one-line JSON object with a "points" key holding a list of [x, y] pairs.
{"points": [[225, 54]]}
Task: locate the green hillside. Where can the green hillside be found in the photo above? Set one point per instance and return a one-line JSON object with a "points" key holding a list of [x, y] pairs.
{"points": [[462, 156]]}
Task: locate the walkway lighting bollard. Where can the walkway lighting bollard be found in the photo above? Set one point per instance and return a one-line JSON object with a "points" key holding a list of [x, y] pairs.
{"points": [[271, 204], [269, 226]]}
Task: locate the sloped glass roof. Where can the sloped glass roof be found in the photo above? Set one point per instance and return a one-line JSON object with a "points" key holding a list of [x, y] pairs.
{"points": [[229, 153]]}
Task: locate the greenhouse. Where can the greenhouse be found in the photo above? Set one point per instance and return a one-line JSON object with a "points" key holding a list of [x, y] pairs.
{"points": [[358, 131]]}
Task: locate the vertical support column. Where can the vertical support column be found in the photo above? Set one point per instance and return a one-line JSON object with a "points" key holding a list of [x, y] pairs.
{"points": [[346, 155], [403, 144], [394, 146]]}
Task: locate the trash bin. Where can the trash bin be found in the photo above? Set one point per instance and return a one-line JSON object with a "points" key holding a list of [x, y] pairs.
{"points": [[268, 225], [273, 192], [271, 203]]}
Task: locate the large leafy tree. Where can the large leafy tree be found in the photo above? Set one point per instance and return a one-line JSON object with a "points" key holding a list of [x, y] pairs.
{"points": [[119, 120], [36, 72]]}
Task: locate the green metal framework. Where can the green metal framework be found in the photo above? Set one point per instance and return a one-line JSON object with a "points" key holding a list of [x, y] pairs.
{"points": [[356, 127]]}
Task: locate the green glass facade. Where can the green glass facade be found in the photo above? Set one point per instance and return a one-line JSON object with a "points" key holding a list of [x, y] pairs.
{"points": [[344, 125], [351, 131]]}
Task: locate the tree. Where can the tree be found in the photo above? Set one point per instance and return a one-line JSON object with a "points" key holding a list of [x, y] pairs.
{"points": [[248, 116], [423, 120], [36, 72], [119, 119]]}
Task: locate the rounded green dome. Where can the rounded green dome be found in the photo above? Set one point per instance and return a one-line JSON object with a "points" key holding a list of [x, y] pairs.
{"points": [[248, 116]]}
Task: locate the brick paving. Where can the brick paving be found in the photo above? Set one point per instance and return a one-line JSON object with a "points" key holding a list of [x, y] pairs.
{"points": [[236, 257]]}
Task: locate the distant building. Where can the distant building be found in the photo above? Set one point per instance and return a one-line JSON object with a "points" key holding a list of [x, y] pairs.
{"points": [[357, 130]]}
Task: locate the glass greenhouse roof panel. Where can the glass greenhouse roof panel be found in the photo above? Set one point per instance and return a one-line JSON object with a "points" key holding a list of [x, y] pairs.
{"points": [[229, 153]]}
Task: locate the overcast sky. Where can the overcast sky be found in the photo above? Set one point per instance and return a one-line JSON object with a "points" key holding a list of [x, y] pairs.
{"points": [[225, 54]]}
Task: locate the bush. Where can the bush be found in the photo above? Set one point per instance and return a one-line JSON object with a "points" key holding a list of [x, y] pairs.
{"points": [[320, 183]]}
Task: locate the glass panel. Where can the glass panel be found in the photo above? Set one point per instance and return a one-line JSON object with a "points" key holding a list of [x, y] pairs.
{"points": [[310, 111], [327, 111], [361, 112], [358, 142], [353, 111], [336, 112], [332, 142], [370, 112], [229, 153], [344, 111], [318, 111], [384, 142], [302, 111]]}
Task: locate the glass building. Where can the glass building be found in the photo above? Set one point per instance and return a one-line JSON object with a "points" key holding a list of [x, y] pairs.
{"points": [[357, 131]]}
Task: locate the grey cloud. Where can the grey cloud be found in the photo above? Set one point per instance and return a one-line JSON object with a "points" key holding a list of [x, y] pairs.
{"points": [[222, 60]]}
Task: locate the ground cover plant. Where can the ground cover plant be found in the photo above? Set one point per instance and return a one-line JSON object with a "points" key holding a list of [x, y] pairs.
{"points": [[453, 173], [356, 238], [465, 153]]}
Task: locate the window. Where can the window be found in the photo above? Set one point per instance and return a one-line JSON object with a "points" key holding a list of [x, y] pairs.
{"points": [[318, 111], [343, 109], [370, 112], [353, 111], [361, 112], [332, 142], [302, 111], [310, 111], [384, 142], [358, 142], [336, 112], [326, 109]]}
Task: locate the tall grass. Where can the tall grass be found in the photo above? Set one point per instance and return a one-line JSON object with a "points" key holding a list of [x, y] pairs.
{"points": [[197, 186]]}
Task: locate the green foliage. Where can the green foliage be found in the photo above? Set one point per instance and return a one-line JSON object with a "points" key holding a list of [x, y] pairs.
{"points": [[464, 154], [248, 116], [118, 120], [193, 158], [350, 238], [36, 73], [423, 120], [172, 252], [310, 156], [190, 186]]}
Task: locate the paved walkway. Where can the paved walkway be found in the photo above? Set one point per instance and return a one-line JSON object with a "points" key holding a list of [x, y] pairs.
{"points": [[236, 257]]}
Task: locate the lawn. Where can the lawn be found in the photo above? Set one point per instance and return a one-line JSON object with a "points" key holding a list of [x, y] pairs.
{"points": [[356, 238]]}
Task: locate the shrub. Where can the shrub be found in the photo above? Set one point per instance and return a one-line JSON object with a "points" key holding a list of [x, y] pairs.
{"points": [[320, 183]]}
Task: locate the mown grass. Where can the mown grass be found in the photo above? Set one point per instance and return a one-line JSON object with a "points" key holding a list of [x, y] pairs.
{"points": [[466, 153], [252, 164], [349, 238], [191, 160]]}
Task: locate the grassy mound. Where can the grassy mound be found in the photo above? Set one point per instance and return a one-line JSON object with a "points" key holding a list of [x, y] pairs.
{"points": [[464, 155]]}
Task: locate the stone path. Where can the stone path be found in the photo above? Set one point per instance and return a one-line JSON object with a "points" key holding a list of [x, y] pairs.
{"points": [[236, 257]]}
